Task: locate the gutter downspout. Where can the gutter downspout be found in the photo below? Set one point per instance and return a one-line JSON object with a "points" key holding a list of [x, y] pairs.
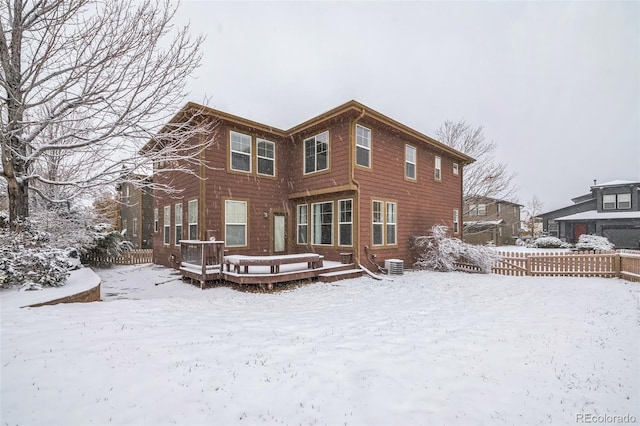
{"points": [[352, 169]]}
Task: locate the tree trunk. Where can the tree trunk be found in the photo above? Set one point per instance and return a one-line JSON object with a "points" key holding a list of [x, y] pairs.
{"points": [[18, 193]]}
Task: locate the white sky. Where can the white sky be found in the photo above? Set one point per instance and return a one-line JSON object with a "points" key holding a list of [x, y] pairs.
{"points": [[555, 85]]}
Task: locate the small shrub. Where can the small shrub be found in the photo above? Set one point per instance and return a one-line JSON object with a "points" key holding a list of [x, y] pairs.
{"points": [[440, 253], [594, 242], [549, 242]]}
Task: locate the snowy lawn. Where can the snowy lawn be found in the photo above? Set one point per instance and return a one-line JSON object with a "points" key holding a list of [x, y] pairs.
{"points": [[426, 348]]}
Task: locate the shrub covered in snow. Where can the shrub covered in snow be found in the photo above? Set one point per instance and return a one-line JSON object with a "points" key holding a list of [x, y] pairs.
{"points": [[549, 242], [594, 242], [440, 253], [106, 244], [27, 259]]}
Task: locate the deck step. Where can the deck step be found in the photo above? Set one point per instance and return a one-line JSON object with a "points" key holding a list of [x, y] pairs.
{"points": [[329, 277]]}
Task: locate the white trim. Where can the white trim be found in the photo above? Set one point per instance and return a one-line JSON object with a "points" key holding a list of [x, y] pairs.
{"points": [[367, 147], [414, 162], [344, 223], [232, 151], [258, 156], [304, 153]]}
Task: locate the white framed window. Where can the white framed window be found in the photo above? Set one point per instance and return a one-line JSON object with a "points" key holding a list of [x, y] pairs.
{"points": [[316, 153], [456, 169], [303, 223], [240, 152], [363, 146], [155, 220], [167, 225], [124, 226], [345, 222], [456, 221], [178, 219], [552, 228], [235, 213], [377, 220], [391, 225], [609, 202], [437, 171], [266, 158], [477, 210], [193, 219], [410, 159], [322, 223], [624, 201], [135, 226]]}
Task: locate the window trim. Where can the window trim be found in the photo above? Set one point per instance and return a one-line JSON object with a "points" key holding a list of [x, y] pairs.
{"points": [[177, 223], [379, 223], [456, 221], [166, 225], [313, 224], [456, 169], [245, 224], [437, 168], [189, 204], [259, 157], [414, 163], [350, 223], [134, 225], [305, 224], [156, 220], [232, 151], [366, 148], [387, 223], [618, 202], [304, 154]]}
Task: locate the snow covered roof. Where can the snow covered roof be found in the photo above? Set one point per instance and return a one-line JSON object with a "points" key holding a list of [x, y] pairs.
{"points": [[596, 215], [616, 183], [483, 222]]}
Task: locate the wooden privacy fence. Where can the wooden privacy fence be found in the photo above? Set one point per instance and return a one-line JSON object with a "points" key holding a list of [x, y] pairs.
{"points": [[622, 263], [132, 257]]}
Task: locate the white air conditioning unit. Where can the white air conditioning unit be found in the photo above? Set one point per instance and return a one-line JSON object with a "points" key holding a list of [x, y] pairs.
{"points": [[394, 266]]}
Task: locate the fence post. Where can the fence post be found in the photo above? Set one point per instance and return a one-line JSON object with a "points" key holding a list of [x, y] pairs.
{"points": [[617, 261], [527, 265]]}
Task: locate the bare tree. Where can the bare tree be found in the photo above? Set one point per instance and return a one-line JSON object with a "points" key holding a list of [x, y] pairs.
{"points": [[485, 177], [86, 84], [531, 212]]}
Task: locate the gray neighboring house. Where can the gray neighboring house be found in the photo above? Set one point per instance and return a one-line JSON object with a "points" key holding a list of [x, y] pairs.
{"points": [[610, 210], [136, 213]]}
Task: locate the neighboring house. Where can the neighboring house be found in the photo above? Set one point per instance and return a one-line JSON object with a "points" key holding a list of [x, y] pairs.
{"points": [[136, 213], [489, 220], [610, 210], [348, 181]]}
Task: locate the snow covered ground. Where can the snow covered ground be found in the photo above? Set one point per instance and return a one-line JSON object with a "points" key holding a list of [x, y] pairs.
{"points": [[426, 348]]}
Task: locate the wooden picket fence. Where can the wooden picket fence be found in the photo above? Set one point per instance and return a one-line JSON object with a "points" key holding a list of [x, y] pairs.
{"points": [[622, 264], [132, 257]]}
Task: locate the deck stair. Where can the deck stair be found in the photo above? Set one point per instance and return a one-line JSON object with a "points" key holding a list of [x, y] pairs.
{"points": [[342, 274]]}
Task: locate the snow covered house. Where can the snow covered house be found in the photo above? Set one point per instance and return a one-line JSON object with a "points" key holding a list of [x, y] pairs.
{"points": [[490, 220], [351, 181], [136, 212], [611, 210]]}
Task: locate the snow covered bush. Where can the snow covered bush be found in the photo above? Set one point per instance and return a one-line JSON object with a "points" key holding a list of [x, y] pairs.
{"points": [[549, 242], [440, 253], [27, 259], [106, 244], [594, 242]]}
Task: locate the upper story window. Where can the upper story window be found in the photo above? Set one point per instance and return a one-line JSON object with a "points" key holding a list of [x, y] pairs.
{"points": [[266, 157], [240, 152], [410, 161], [167, 224], [316, 153], [437, 171], [616, 201], [477, 210], [456, 169], [363, 146], [155, 220]]}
